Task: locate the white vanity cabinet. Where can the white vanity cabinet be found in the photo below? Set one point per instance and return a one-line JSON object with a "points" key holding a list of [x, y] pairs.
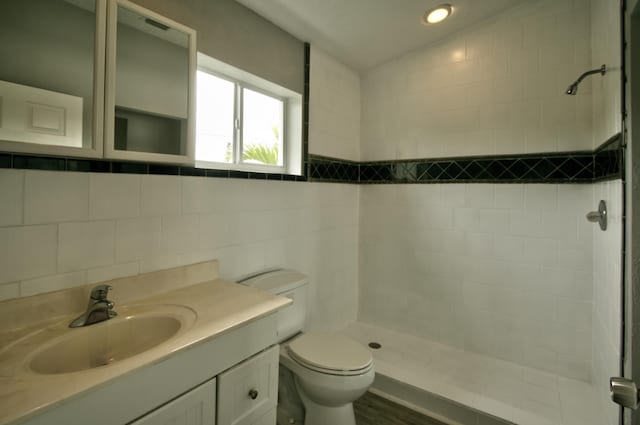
{"points": [[197, 407], [248, 392], [212, 379]]}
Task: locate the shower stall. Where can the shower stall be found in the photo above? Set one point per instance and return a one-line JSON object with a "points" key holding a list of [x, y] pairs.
{"points": [[491, 295]]}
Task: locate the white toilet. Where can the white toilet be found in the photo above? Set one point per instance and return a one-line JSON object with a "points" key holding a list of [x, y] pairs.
{"points": [[330, 371]]}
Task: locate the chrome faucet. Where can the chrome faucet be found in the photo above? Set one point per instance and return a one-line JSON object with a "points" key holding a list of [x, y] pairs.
{"points": [[98, 310]]}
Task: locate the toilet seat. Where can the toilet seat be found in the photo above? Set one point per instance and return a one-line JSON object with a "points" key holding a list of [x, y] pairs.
{"points": [[330, 354]]}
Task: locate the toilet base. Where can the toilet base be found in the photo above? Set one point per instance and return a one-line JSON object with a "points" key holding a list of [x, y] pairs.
{"points": [[325, 415], [317, 414]]}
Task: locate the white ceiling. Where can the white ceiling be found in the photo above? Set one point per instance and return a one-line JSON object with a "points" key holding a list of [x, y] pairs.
{"points": [[366, 33]]}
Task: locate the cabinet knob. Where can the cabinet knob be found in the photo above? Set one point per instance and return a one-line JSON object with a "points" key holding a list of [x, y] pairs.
{"points": [[253, 394]]}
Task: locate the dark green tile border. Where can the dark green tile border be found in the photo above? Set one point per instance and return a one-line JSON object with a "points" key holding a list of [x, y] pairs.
{"points": [[28, 162], [609, 159], [334, 170], [604, 163]]}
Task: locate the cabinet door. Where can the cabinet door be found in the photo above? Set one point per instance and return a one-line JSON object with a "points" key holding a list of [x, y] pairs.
{"points": [[150, 96], [52, 76], [197, 407], [268, 418], [249, 390]]}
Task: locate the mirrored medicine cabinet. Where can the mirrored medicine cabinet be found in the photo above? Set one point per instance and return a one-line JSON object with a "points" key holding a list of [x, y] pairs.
{"points": [[96, 78], [52, 76], [151, 65]]}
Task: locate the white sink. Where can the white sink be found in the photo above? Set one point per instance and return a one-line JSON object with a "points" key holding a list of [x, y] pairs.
{"points": [[134, 331]]}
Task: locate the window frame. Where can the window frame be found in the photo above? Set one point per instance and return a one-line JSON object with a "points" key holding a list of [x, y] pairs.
{"points": [[238, 128]]}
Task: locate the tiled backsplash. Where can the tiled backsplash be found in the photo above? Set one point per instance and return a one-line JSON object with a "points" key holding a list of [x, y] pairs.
{"points": [[62, 229], [504, 270]]}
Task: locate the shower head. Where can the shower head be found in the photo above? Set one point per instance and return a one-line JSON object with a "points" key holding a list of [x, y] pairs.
{"points": [[573, 88]]}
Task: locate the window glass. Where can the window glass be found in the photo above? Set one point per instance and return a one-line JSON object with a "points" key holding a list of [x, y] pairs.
{"points": [[262, 124], [241, 124], [214, 118]]}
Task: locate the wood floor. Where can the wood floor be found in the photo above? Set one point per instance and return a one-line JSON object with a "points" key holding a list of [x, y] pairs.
{"points": [[371, 409]]}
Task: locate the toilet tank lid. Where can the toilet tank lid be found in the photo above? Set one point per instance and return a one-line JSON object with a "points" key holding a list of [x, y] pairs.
{"points": [[275, 281]]}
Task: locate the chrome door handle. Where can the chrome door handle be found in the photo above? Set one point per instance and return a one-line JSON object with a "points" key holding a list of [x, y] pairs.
{"points": [[624, 392]]}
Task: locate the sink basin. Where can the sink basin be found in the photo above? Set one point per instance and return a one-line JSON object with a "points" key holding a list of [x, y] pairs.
{"points": [[134, 331]]}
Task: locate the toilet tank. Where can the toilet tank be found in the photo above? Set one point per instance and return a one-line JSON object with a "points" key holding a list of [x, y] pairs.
{"points": [[287, 283]]}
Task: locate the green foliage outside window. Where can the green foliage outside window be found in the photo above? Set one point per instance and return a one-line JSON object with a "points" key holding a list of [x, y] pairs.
{"points": [[262, 153]]}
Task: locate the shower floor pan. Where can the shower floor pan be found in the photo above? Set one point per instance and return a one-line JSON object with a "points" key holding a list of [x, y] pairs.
{"points": [[461, 387]]}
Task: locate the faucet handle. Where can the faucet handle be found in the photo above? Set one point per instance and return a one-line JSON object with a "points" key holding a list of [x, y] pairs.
{"points": [[99, 293]]}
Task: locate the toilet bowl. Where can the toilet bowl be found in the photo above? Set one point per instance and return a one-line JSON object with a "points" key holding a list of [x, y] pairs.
{"points": [[328, 379], [329, 371]]}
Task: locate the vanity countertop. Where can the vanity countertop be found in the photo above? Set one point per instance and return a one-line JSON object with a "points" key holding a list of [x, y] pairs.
{"points": [[220, 306]]}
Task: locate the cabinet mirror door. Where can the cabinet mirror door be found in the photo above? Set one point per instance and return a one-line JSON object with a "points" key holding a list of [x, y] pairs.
{"points": [[150, 68], [52, 76]]}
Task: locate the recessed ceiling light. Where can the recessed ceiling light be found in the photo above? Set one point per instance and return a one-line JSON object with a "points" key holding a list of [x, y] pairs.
{"points": [[437, 14]]}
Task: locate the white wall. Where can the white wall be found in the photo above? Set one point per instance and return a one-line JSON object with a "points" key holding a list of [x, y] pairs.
{"points": [[503, 270], [334, 103], [497, 88], [605, 49], [67, 229], [234, 34]]}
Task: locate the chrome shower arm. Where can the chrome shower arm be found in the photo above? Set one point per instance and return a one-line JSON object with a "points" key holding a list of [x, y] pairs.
{"points": [[573, 88]]}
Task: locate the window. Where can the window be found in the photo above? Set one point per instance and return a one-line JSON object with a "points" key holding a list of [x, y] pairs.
{"points": [[244, 122], [262, 124], [215, 111]]}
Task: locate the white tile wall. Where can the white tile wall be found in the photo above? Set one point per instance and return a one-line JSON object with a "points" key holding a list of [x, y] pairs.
{"points": [[12, 185], [28, 251], [606, 118], [606, 297], [95, 227], [503, 270], [334, 103], [497, 88], [51, 197], [83, 245], [114, 196]]}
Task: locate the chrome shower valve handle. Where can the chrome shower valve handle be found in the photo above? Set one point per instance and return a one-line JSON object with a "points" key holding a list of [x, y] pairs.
{"points": [[599, 216]]}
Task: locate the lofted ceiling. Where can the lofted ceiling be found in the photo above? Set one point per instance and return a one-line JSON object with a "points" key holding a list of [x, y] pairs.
{"points": [[366, 33]]}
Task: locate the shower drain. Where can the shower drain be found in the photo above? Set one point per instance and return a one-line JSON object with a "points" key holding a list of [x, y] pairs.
{"points": [[375, 345]]}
